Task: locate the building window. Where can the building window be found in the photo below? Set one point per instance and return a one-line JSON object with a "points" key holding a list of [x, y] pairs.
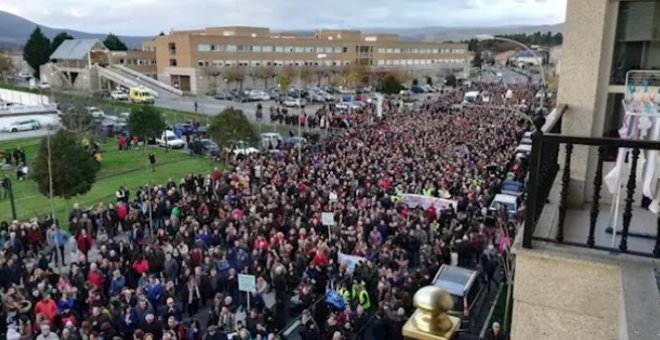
{"points": [[267, 49], [279, 49], [310, 49], [172, 62], [289, 49], [203, 48], [299, 49], [230, 48], [345, 49]]}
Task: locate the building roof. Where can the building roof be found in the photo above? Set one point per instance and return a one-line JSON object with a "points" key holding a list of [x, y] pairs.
{"points": [[76, 49]]}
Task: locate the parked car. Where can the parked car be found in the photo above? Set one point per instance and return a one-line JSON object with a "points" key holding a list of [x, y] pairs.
{"points": [[204, 147], [270, 139], [242, 148], [293, 142], [509, 202], [182, 129], [258, 95], [512, 188], [225, 95], [95, 112], [170, 140], [466, 290], [293, 102], [417, 89], [23, 125], [119, 95]]}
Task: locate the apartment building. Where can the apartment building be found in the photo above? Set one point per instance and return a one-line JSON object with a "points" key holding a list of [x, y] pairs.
{"points": [[184, 59], [587, 259]]}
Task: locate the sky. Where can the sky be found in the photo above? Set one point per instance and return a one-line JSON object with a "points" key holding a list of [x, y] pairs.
{"points": [[148, 17]]}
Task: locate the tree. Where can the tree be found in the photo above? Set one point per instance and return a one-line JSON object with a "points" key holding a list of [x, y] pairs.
{"points": [[235, 74], [285, 79], [146, 122], [306, 74], [356, 75], [390, 85], [75, 116], [59, 39], [231, 125], [264, 73], [477, 60], [429, 81], [451, 80], [113, 43], [37, 50], [73, 168], [6, 66]]}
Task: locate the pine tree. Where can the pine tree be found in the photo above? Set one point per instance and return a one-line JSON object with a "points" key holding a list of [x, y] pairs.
{"points": [[59, 39], [113, 43], [37, 50]]}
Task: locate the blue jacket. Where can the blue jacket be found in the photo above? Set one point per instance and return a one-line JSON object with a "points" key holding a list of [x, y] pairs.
{"points": [[57, 238], [117, 285], [154, 291]]}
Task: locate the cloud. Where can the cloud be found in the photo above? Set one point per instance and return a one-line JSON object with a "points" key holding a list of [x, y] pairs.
{"points": [[151, 16]]}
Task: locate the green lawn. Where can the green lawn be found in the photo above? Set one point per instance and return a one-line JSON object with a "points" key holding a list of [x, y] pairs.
{"points": [[127, 168]]}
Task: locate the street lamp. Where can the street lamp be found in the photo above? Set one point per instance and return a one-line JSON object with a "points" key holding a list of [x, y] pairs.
{"points": [[484, 37]]}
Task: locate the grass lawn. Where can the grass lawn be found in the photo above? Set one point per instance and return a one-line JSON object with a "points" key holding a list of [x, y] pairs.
{"points": [[127, 168]]}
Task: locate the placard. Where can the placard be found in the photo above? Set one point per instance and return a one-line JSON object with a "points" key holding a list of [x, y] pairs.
{"points": [[328, 219], [350, 260], [247, 283]]}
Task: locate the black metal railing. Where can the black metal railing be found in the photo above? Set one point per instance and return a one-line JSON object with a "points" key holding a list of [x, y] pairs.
{"points": [[544, 167]]}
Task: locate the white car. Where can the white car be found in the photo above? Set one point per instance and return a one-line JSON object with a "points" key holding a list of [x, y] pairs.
{"points": [[293, 102], [22, 125], [119, 95], [242, 148], [170, 140], [258, 95], [270, 139], [95, 112]]}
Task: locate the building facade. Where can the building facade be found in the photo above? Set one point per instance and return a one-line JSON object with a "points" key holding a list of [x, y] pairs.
{"points": [[184, 58]]}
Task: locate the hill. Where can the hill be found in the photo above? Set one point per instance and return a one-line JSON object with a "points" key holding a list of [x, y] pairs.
{"points": [[15, 30]]}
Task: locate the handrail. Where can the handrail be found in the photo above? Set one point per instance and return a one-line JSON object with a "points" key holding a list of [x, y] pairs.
{"points": [[116, 77], [598, 141], [554, 117], [148, 79]]}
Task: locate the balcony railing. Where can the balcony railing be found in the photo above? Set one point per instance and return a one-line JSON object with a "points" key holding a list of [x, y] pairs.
{"points": [[543, 170]]}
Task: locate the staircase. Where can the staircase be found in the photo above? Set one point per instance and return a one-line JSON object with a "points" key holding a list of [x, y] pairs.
{"points": [[116, 77]]}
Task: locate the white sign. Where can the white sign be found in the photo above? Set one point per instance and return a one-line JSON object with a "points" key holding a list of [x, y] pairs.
{"points": [[328, 219], [247, 283], [351, 261], [333, 197]]}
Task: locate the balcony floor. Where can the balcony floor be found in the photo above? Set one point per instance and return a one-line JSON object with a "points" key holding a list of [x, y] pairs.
{"points": [[576, 225]]}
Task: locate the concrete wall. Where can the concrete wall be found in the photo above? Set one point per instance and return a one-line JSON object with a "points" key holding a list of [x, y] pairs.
{"points": [[585, 71], [558, 298], [25, 98]]}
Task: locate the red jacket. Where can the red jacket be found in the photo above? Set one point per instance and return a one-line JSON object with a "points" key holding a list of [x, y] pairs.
{"points": [[84, 242], [48, 308], [141, 266], [95, 278]]}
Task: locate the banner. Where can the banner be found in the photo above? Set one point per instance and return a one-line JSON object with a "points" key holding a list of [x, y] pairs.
{"points": [[415, 201], [351, 261]]}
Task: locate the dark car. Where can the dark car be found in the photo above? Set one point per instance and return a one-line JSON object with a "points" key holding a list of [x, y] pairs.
{"points": [[225, 95], [292, 142], [417, 89], [208, 147], [183, 129], [466, 290]]}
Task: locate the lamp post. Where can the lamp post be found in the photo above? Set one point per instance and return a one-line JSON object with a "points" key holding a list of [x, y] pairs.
{"points": [[484, 37]]}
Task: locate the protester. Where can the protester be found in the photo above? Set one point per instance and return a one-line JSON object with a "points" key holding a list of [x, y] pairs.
{"points": [[172, 249]]}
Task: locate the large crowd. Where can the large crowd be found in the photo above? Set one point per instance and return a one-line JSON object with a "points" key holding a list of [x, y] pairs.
{"points": [[163, 262]]}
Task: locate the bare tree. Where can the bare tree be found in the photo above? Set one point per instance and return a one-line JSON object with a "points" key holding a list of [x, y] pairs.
{"points": [[76, 116], [6, 67]]}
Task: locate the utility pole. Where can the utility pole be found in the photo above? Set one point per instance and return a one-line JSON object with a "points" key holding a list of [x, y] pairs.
{"points": [[10, 191]]}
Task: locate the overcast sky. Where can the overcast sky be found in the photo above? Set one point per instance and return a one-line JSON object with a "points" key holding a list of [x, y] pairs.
{"points": [[148, 17]]}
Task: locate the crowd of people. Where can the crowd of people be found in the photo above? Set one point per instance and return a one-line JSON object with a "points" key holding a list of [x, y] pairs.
{"points": [[163, 262]]}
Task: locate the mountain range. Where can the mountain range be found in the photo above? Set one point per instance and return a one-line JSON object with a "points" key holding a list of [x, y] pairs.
{"points": [[15, 30]]}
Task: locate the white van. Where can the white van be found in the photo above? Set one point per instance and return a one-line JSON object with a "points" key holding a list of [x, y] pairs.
{"points": [[170, 140], [509, 202]]}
